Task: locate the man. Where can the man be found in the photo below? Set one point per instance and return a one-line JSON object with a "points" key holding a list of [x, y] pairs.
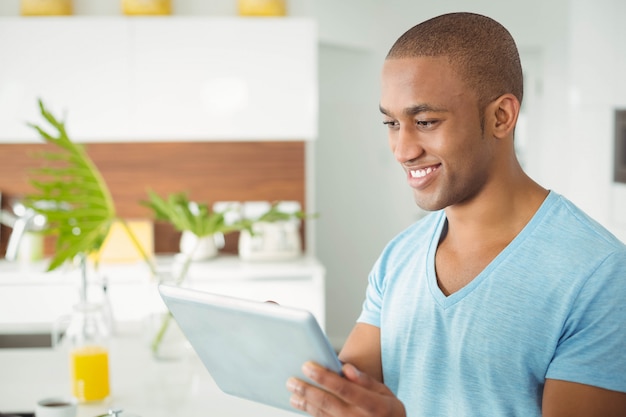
{"points": [[507, 300]]}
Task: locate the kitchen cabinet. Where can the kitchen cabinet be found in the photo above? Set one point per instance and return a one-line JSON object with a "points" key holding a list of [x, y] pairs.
{"points": [[160, 78]]}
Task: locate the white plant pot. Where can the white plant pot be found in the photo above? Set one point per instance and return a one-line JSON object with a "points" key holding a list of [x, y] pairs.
{"points": [[273, 241], [196, 248]]}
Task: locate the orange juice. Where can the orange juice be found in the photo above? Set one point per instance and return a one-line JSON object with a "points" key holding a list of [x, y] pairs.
{"points": [[90, 373]]}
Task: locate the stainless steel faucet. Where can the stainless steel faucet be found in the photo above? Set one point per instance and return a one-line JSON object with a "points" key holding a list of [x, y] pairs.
{"points": [[22, 220]]}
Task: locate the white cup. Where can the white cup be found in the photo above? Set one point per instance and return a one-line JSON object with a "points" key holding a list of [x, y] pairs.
{"points": [[56, 407]]}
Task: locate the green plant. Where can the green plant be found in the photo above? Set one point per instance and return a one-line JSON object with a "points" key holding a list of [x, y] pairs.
{"points": [[72, 194], [187, 215]]}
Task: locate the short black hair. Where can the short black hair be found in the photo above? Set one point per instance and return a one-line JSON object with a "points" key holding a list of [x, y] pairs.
{"points": [[480, 49]]}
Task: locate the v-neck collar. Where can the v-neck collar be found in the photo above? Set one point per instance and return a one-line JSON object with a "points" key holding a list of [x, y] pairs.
{"points": [[447, 301]]}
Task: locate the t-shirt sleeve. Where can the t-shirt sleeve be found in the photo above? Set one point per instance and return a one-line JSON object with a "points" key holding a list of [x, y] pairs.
{"points": [[370, 313], [592, 346]]}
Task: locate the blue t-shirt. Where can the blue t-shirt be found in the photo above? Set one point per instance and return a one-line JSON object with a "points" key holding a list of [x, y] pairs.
{"points": [[552, 304]]}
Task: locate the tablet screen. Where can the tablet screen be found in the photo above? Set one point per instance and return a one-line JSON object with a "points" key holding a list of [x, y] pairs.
{"points": [[250, 348]]}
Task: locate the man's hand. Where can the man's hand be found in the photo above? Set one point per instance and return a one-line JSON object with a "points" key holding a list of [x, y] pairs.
{"points": [[354, 394]]}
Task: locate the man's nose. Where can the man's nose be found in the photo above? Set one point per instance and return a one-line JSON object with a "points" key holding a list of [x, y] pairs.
{"points": [[406, 145]]}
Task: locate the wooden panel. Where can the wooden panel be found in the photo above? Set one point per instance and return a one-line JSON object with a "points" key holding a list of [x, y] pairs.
{"points": [[207, 171]]}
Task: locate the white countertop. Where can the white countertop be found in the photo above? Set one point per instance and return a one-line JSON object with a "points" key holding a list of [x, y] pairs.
{"points": [[140, 384], [31, 300]]}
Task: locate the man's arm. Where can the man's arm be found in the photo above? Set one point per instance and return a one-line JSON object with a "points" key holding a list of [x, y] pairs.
{"points": [[569, 399], [362, 349]]}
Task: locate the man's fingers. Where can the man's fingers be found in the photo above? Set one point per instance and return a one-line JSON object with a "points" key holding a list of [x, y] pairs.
{"points": [[337, 384], [354, 393], [313, 400], [353, 374], [354, 388]]}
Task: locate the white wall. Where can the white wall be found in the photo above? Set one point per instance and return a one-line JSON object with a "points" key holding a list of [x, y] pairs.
{"points": [[360, 192], [597, 64]]}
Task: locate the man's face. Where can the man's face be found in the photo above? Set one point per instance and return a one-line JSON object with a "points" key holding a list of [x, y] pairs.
{"points": [[434, 131]]}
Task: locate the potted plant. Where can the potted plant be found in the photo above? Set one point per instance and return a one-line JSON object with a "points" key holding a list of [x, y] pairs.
{"points": [[271, 232], [197, 222]]}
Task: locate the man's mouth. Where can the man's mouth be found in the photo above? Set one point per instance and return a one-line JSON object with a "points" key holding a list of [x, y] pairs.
{"points": [[422, 172]]}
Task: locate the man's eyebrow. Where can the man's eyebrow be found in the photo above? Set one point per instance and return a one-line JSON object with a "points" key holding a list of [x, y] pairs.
{"points": [[413, 110]]}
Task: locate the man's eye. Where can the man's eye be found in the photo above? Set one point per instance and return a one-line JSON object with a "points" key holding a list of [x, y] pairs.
{"points": [[390, 123], [426, 123]]}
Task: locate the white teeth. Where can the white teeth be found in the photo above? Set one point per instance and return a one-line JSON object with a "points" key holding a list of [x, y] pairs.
{"points": [[419, 173]]}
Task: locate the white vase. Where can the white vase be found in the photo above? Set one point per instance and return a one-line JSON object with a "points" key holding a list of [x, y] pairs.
{"points": [[198, 248], [275, 241], [163, 337]]}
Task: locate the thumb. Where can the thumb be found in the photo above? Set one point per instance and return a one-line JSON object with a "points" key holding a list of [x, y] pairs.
{"points": [[353, 374]]}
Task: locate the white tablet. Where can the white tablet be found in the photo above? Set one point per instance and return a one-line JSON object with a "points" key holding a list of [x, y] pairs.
{"points": [[250, 348]]}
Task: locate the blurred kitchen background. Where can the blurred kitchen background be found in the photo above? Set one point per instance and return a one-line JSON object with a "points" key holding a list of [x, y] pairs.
{"points": [[334, 159]]}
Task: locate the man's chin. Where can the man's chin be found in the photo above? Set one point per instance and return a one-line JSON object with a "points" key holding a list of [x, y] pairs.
{"points": [[426, 204]]}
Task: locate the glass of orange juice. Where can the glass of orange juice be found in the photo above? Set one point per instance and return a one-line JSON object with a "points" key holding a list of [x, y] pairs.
{"points": [[90, 373], [86, 337]]}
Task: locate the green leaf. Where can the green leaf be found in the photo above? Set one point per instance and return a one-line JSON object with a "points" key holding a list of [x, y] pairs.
{"points": [[187, 215], [71, 193]]}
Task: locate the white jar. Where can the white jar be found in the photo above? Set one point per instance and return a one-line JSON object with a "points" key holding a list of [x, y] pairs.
{"points": [[198, 248], [275, 241]]}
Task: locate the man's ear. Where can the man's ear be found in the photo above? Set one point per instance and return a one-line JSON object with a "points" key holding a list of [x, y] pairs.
{"points": [[504, 110]]}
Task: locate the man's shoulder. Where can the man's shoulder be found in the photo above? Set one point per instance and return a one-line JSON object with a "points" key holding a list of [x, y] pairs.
{"points": [[568, 221]]}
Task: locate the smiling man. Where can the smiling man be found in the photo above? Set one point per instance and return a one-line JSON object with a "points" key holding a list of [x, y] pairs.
{"points": [[506, 300]]}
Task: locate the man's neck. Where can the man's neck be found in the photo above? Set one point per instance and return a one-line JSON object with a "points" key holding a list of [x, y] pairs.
{"points": [[478, 231], [494, 216]]}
